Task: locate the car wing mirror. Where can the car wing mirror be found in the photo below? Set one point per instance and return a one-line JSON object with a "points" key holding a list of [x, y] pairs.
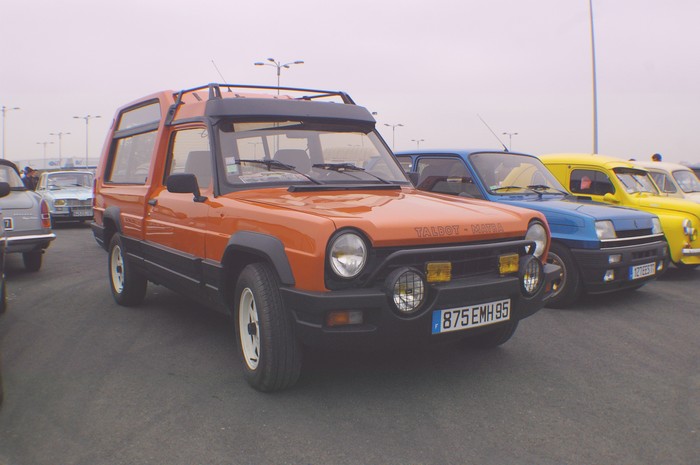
{"points": [[185, 183], [4, 189]]}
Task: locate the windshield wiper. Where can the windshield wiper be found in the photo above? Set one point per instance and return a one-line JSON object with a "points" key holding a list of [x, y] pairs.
{"points": [[543, 187], [277, 164], [343, 167]]}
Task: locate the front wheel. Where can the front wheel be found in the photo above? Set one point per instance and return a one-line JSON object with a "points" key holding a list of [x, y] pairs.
{"points": [[569, 288], [128, 286], [32, 260], [270, 353], [685, 267]]}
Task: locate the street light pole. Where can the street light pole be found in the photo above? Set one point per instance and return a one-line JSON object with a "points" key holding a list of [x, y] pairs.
{"points": [[87, 119], [417, 141], [510, 138], [60, 145], [393, 133], [45, 143], [278, 65], [595, 86], [4, 111]]}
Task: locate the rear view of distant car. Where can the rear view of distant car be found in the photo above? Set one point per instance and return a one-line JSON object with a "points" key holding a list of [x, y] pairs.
{"points": [[26, 219]]}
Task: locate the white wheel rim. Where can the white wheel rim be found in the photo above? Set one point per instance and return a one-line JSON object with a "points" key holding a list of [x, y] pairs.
{"points": [[249, 329], [117, 269]]}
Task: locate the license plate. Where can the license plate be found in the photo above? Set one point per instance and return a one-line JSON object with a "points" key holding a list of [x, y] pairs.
{"points": [[7, 223], [82, 212], [473, 316], [642, 271]]}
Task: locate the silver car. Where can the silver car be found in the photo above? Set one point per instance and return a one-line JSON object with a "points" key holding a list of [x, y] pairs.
{"points": [[26, 219], [68, 194]]}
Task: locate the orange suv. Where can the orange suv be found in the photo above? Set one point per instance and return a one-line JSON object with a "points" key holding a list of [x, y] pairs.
{"points": [[290, 213]]}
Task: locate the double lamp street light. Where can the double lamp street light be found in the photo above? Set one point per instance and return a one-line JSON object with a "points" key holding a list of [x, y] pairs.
{"points": [[278, 65]]}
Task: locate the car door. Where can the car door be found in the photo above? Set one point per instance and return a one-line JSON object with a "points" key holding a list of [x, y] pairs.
{"points": [[175, 222]]}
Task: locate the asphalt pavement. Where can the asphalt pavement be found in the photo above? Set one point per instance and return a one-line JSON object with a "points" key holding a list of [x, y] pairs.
{"points": [[614, 380]]}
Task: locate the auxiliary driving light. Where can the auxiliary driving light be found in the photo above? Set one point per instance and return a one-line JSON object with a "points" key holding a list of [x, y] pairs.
{"points": [[407, 289], [531, 273], [617, 258], [609, 276]]}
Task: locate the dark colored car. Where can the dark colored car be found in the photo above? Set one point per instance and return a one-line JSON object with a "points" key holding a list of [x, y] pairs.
{"points": [[600, 248]]}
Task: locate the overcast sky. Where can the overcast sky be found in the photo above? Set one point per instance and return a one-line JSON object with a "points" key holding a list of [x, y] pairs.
{"points": [[433, 66]]}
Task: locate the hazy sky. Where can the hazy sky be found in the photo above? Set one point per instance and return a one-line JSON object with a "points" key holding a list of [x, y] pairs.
{"points": [[433, 66]]}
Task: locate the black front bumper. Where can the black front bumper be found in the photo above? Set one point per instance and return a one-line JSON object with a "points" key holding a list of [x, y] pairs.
{"points": [[593, 265], [383, 326]]}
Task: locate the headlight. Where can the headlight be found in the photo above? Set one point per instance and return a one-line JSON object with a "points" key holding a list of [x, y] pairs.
{"points": [[59, 202], [347, 255], [688, 227], [605, 230], [537, 233], [531, 274], [406, 290], [656, 226]]}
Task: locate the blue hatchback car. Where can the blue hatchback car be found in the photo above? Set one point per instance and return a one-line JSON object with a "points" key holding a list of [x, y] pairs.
{"points": [[600, 248]]}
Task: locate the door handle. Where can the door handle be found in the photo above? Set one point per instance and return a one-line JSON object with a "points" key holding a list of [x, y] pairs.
{"points": [[153, 202]]}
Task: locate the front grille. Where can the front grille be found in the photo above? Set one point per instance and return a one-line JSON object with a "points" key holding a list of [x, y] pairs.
{"points": [[78, 203], [633, 233], [631, 240], [467, 260]]}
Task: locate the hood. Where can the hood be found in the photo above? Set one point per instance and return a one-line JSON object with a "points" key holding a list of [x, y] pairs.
{"points": [[673, 204], [19, 200], [573, 213], [405, 217], [80, 193]]}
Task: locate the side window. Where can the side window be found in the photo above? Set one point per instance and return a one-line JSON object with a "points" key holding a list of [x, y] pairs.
{"points": [[131, 158], [446, 176], [590, 182], [664, 182], [190, 153]]}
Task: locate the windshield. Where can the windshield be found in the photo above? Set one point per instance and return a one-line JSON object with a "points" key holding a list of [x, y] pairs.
{"points": [[284, 153], [67, 180], [687, 180], [10, 176], [508, 173], [635, 181]]}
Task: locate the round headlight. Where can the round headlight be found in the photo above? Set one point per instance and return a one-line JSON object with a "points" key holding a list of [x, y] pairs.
{"points": [[538, 234], [407, 290], [530, 275], [656, 226], [348, 254], [605, 230]]}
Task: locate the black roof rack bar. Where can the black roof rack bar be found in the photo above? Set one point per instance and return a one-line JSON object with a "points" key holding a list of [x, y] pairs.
{"points": [[215, 91]]}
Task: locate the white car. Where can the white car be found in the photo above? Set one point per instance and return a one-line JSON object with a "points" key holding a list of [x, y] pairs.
{"points": [[673, 179], [68, 194]]}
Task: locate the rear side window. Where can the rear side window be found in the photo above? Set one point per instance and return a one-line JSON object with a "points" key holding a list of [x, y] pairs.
{"points": [[590, 182], [131, 158]]}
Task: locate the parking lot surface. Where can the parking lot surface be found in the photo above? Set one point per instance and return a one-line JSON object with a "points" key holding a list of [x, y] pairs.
{"points": [[614, 380]]}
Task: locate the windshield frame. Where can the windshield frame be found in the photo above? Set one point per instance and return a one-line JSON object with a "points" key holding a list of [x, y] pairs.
{"points": [[513, 188], [328, 148]]}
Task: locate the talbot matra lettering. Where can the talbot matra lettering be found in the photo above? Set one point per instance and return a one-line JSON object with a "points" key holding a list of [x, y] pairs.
{"points": [[487, 228], [437, 231]]}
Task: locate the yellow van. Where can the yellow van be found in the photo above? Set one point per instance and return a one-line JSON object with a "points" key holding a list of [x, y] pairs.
{"points": [[620, 182]]}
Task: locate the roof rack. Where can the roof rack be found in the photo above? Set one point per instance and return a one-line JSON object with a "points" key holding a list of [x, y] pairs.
{"points": [[215, 94]]}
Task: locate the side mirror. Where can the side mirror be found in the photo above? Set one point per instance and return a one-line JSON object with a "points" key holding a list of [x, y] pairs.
{"points": [[610, 198], [184, 183], [4, 189]]}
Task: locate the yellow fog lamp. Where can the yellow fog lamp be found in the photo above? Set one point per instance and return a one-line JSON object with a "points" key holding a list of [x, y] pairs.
{"points": [[438, 272], [508, 264]]}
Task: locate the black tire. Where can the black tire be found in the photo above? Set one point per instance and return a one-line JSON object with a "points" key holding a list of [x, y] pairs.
{"points": [[32, 260], [270, 352], [494, 338], [570, 287], [128, 286]]}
